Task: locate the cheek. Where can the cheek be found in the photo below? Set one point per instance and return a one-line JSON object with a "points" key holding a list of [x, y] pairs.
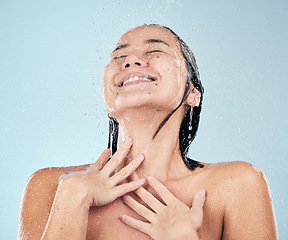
{"points": [[111, 70], [166, 65], [110, 73], [170, 71], [108, 84]]}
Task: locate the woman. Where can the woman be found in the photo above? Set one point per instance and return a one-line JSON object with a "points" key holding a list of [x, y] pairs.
{"points": [[149, 189]]}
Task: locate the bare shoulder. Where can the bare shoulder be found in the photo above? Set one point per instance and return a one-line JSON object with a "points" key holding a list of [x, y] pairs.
{"points": [[38, 197], [238, 171], [228, 182], [45, 181], [246, 199], [51, 175]]}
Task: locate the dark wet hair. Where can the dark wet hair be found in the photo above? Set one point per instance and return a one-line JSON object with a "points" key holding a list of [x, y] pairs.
{"points": [[190, 122]]}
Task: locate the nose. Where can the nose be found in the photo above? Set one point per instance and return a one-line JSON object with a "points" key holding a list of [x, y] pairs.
{"points": [[134, 60]]}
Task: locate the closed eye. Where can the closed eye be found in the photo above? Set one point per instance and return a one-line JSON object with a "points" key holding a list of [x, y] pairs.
{"points": [[153, 51], [121, 56]]}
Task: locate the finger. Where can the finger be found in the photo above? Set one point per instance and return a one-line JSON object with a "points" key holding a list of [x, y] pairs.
{"points": [[117, 157], [198, 200], [101, 161], [149, 199], [197, 208], [134, 176], [127, 170], [128, 187], [137, 224], [161, 190], [139, 208]]}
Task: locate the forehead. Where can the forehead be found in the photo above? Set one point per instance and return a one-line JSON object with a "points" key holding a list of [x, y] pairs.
{"points": [[143, 33]]}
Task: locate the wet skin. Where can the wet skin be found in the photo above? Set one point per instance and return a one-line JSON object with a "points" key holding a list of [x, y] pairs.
{"points": [[147, 78], [155, 54], [232, 202]]}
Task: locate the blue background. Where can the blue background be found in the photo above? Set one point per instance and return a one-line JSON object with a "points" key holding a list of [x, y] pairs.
{"points": [[52, 56]]}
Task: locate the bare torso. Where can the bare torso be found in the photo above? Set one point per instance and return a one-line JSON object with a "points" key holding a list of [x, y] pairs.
{"points": [[237, 204], [230, 205], [104, 222]]}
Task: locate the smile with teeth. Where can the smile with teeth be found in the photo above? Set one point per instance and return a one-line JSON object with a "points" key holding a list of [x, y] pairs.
{"points": [[136, 79]]}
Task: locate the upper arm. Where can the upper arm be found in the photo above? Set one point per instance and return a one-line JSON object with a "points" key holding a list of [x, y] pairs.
{"points": [[36, 203], [248, 206]]}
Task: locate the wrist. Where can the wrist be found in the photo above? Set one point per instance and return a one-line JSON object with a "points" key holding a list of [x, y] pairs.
{"points": [[74, 193]]}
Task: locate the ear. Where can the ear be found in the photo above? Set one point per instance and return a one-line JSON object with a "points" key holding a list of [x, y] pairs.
{"points": [[193, 98]]}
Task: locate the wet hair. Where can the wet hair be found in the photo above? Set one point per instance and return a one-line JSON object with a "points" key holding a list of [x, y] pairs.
{"points": [[190, 122]]}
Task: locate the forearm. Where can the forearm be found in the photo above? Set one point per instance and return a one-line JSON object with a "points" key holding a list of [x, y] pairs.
{"points": [[68, 217]]}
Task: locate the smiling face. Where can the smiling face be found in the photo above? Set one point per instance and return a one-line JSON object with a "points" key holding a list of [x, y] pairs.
{"points": [[147, 69]]}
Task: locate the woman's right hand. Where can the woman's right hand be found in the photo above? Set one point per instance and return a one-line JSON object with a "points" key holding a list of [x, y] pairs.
{"points": [[98, 185]]}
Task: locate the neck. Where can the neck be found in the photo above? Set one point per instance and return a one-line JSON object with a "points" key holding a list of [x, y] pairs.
{"points": [[162, 152]]}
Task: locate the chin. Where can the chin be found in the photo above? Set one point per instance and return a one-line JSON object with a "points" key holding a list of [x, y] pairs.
{"points": [[145, 104]]}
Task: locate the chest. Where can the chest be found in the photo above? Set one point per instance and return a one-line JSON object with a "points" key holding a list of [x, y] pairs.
{"points": [[104, 222]]}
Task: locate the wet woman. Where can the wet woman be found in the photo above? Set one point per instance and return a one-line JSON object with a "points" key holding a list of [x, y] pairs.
{"points": [[149, 189]]}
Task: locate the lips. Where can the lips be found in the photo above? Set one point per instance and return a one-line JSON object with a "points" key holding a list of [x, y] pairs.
{"points": [[136, 77]]}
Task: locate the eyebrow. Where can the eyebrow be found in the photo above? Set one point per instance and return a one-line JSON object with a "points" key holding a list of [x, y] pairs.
{"points": [[156, 41], [120, 47], [147, 41]]}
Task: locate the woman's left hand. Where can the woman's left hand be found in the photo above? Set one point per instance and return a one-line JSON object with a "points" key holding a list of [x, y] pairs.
{"points": [[171, 220]]}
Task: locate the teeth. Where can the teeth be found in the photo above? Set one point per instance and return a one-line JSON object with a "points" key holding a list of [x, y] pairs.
{"points": [[136, 78]]}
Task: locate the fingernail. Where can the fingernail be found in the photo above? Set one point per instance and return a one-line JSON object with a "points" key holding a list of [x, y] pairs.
{"points": [[139, 158], [107, 151], [149, 179], [201, 193], [125, 198], [122, 217], [128, 140], [142, 180]]}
